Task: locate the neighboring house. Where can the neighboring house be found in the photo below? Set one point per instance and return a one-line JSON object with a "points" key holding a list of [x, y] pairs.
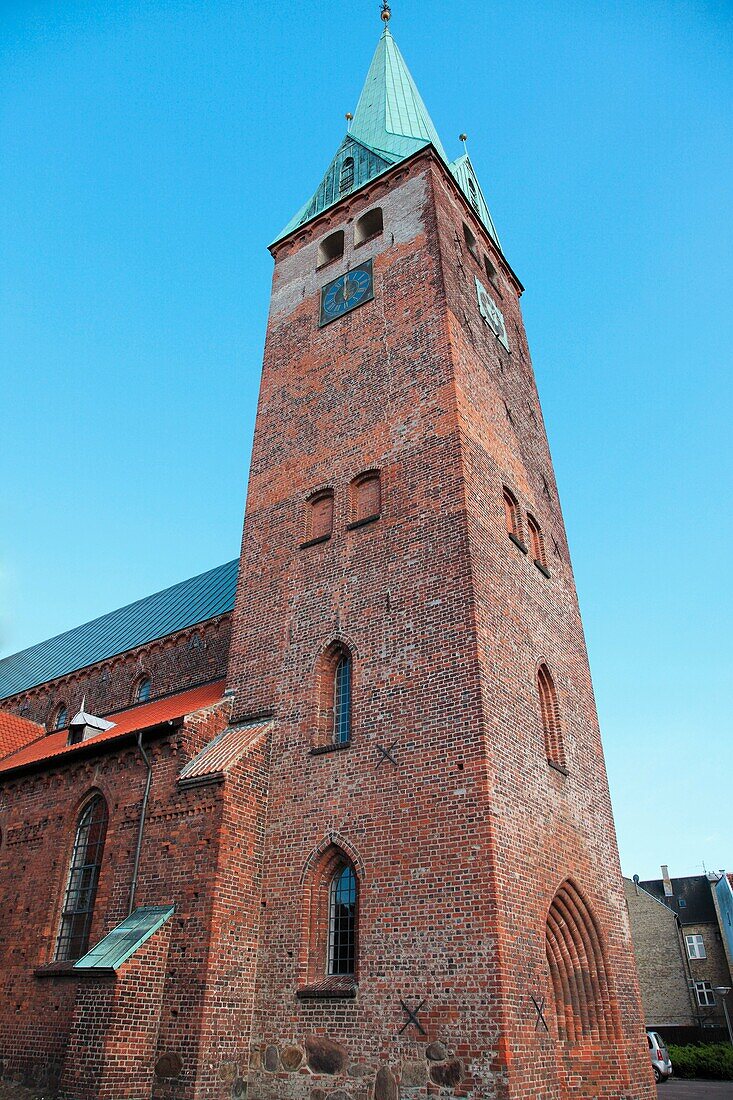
{"points": [[679, 929]]}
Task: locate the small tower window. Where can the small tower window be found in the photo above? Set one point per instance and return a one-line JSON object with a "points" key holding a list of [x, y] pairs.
{"points": [[366, 497], [342, 922], [473, 196], [60, 717], [81, 889], [319, 521], [141, 693], [471, 243], [331, 248], [537, 543], [511, 518], [491, 273], [346, 180], [550, 712], [368, 225], [342, 701]]}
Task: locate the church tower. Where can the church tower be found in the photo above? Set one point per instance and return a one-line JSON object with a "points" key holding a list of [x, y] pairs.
{"points": [[438, 905]]}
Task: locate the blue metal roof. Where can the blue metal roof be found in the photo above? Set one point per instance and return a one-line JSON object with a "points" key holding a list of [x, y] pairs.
{"points": [[185, 604]]}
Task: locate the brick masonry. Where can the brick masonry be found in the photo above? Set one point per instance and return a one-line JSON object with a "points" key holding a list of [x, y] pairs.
{"points": [[461, 845]]}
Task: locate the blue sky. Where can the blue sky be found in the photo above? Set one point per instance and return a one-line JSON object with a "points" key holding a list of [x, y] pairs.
{"points": [[152, 149]]}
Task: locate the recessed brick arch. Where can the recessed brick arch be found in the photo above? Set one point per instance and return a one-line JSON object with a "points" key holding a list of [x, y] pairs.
{"points": [[581, 986]]}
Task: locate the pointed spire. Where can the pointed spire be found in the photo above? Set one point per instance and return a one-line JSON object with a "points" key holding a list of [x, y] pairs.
{"points": [[390, 116]]}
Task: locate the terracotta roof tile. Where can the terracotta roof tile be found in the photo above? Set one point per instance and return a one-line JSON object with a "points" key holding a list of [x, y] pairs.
{"points": [[126, 721], [221, 752], [15, 732]]}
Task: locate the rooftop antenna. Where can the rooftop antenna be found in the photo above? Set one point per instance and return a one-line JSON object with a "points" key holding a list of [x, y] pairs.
{"points": [[464, 139], [386, 12]]}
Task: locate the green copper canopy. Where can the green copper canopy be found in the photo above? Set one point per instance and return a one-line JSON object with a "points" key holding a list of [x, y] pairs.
{"points": [[391, 123]]}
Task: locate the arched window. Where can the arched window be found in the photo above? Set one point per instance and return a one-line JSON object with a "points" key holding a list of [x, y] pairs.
{"points": [[550, 712], [470, 242], [319, 517], [346, 180], [342, 922], [60, 717], [536, 543], [491, 273], [141, 693], [81, 890], [512, 518], [368, 225], [342, 700], [578, 971], [366, 497], [331, 248]]}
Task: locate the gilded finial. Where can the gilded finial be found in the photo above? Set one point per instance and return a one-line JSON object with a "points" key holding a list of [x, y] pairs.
{"points": [[386, 11], [464, 139], [349, 119]]}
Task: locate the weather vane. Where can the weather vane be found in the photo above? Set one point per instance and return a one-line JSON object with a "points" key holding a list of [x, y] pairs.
{"points": [[386, 11]]}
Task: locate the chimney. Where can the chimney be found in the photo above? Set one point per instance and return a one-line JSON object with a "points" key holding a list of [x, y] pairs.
{"points": [[668, 891]]}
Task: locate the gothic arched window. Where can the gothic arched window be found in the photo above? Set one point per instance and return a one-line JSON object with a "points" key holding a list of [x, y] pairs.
{"points": [[81, 889], [60, 717], [141, 693], [536, 542], [342, 700], [473, 195], [346, 180], [550, 712], [342, 922], [512, 517]]}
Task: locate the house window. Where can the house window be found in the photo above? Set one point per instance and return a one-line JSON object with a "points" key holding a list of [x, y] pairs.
{"points": [[368, 225], [331, 248], [342, 701], [470, 242], [60, 717], [682, 903], [319, 521], [142, 690], [342, 922], [695, 947], [537, 543], [550, 712], [81, 891], [366, 497], [705, 995], [346, 180], [512, 518]]}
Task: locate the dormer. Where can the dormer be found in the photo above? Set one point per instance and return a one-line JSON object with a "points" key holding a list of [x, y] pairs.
{"points": [[83, 726]]}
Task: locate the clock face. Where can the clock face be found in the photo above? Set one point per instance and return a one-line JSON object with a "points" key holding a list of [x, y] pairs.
{"points": [[348, 291]]}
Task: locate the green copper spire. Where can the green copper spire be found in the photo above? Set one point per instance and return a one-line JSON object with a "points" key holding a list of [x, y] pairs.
{"points": [[390, 123], [390, 116]]}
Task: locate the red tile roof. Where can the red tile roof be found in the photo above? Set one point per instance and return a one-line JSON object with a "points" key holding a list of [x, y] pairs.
{"points": [[224, 750], [15, 732], [126, 721]]}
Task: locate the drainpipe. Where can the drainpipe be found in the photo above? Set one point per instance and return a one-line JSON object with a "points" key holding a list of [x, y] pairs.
{"points": [[141, 827]]}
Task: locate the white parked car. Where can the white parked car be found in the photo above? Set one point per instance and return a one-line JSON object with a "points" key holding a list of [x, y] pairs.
{"points": [[660, 1058]]}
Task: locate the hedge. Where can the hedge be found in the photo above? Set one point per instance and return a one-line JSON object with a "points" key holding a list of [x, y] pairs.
{"points": [[711, 1061]]}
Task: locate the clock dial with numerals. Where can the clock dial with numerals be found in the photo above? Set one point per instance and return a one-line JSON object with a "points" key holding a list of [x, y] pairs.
{"points": [[345, 293]]}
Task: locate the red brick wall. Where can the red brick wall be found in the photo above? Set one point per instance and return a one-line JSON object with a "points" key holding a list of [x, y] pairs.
{"points": [[460, 848], [177, 661], [179, 864]]}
